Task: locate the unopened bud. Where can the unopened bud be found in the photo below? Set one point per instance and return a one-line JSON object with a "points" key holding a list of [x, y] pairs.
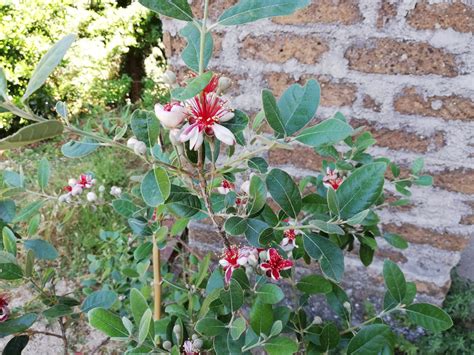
{"points": [[115, 191], [347, 306], [101, 188], [169, 78], [139, 148], [91, 197], [76, 190], [167, 345], [195, 336], [131, 142], [177, 329], [72, 182], [224, 84], [198, 343], [317, 320], [263, 255]]}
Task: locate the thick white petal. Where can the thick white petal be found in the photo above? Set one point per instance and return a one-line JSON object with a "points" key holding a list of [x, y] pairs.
{"points": [[196, 140], [227, 117], [223, 134]]}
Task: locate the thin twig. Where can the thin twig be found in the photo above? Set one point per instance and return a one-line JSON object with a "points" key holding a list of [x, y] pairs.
{"points": [[97, 348]]}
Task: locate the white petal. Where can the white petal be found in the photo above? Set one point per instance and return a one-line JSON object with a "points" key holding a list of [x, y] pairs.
{"points": [[227, 117], [196, 139], [245, 187], [224, 134]]}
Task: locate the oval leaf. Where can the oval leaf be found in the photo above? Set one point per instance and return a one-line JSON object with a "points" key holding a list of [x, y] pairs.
{"points": [[328, 132], [394, 280], [178, 9], [284, 191], [155, 187], [328, 254], [210, 327], [371, 340], [42, 249], [103, 299], [107, 322], [429, 317], [75, 149], [31, 134]]}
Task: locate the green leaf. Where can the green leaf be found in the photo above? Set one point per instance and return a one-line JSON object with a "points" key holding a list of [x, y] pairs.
{"points": [[261, 317], [10, 271], [42, 249], [144, 327], [329, 337], [371, 340], [394, 280], [257, 194], [238, 123], [396, 240], [27, 212], [425, 180], [237, 328], [417, 166], [30, 260], [272, 112], [429, 317], [3, 85], [328, 132], [194, 87], [75, 149], [328, 254], [61, 109], [32, 133], [191, 53], [270, 293], [224, 344], [182, 203], [233, 297], [361, 189], [125, 208], [259, 164], [178, 9], [211, 297], [235, 225], [358, 218], [314, 284], [281, 345], [17, 325], [284, 191], [44, 172], [48, 63], [57, 311], [254, 228], [252, 10], [210, 327], [7, 210], [145, 127], [155, 187], [326, 227], [13, 179], [99, 299], [298, 105], [139, 306], [107, 322], [16, 344], [9, 241]]}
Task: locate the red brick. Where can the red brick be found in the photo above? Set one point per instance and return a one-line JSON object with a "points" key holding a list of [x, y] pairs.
{"points": [[458, 180], [370, 103], [299, 157], [174, 45], [402, 140], [418, 235], [345, 12], [458, 16], [216, 8], [412, 102], [282, 47], [389, 56], [387, 12]]}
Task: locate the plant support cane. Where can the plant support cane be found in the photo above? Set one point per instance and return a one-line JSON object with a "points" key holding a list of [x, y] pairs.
{"points": [[156, 280]]}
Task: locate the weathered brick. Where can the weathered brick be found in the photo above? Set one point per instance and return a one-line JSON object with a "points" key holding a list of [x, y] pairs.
{"points": [[387, 12], [458, 180], [345, 12], [389, 56], [418, 235], [299, 157], [282, 47], [432, 289], [370, 103], [390, 253], [332, 93], [216, 8], [468, 219], [174, 45], [458, 16], [412, 102], [402, 140]]}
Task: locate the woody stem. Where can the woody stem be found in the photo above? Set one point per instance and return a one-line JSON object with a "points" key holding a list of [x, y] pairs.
{"points": [[156, 280]]}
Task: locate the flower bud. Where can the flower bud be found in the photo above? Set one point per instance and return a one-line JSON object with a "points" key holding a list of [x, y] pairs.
{"points": [[169, 78], [263, 255], [198, 343], [167, 345], [131, 142], [347, 306], [195, 336], [115, 191], [171, 115], [91, 197], [72, 182], [174, 136], [317, 320], [64, 198], [139, 148], [224, 84], [177, 329], [101, 188], [76, 190]]}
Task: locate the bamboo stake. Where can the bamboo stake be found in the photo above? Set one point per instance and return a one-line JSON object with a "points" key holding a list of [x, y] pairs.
{"points": [[156, 280]]}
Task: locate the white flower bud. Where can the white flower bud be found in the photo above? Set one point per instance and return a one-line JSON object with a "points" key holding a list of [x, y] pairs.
{"points": [[72, 182], [101, 188], [167, 345], [115, 191], [64, 198], [263, 255], [76, 190], [224, 84], [317, 320], [177, 329], [198, 343], [347, 306], [169, 78], [91, 197], [139, 148], [195, 336], [131, 142]]}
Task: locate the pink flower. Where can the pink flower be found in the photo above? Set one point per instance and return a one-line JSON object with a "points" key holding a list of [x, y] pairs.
{"points": [[234, 258], [289, 240], [226, 187], [189, 348], [4, 310], [332, 179], [275, 264], [205, 113], [85, 181], [170, 115]]}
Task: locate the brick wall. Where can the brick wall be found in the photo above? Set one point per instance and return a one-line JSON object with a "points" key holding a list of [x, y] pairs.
{"points": [[400, 68]]}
